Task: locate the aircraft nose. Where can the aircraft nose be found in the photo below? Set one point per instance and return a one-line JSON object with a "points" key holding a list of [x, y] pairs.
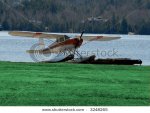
{"points": [[79, 42]]}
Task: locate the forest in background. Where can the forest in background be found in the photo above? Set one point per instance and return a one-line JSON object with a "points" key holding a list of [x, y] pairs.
{"points": [[93, 16]]}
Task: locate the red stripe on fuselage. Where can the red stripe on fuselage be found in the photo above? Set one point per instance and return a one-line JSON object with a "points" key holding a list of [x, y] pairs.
{"points": [[76, 42]]}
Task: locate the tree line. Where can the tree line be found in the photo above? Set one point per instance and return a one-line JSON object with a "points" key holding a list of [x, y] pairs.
{"points": [[116, 16]]}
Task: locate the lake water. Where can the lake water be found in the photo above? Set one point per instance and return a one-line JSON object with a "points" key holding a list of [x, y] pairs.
{"points": [[129, 46]]}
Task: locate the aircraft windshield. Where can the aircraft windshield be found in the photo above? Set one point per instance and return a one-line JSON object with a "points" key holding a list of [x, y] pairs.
{"points": [[62, 39]]}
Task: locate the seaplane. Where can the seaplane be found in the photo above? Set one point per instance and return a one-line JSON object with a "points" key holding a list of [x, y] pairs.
{"points": [[64, 43]]}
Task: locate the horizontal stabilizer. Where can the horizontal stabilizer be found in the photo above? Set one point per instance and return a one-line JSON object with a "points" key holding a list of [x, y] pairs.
{"points": [[42, 51], [34, 51]]}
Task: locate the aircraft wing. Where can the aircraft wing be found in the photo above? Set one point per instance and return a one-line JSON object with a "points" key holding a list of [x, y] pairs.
{"points": [[100, 38], [85, 37], [35, 34]]}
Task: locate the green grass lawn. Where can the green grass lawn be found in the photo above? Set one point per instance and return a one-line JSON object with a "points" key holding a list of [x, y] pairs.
{"points": [[62, 84]]}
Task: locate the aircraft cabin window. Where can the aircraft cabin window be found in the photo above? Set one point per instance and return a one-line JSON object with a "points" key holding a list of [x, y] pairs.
{"points": [[62, 39], [66, 37]]}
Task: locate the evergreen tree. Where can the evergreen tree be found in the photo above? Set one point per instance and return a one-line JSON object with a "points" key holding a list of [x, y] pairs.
{"points": [[124, 26], [113, 27], [5, 25]]}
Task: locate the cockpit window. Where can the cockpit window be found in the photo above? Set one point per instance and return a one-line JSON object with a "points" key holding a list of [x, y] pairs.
{"points": [[66, 37], [62, 39]]}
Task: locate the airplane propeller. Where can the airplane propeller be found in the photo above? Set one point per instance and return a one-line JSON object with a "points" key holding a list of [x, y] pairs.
{"points": [[81, 35]]}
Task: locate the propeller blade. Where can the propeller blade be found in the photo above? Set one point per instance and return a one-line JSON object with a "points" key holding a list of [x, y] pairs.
{"points": [[82, 34]]}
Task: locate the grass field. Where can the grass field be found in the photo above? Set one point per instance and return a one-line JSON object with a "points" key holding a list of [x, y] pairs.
{"points": [[31, 84]]}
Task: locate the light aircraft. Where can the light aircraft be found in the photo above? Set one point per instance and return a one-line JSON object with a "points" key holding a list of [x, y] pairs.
{"points": [[63, 42]]}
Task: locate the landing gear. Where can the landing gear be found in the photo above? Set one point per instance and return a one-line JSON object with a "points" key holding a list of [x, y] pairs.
{"points": [[82, 59], [72, 52]]}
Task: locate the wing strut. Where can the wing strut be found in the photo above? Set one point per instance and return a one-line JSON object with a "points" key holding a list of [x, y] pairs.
{"points": [[41, 43]]}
